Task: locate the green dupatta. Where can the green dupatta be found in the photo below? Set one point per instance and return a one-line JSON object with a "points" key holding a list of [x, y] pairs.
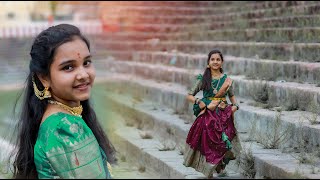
{"points": [[209, 93]]}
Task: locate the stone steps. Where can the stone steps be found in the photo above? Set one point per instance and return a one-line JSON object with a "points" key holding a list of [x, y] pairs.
{"points": [[282, 35], [305, 52], [268, 22], [148, 151], [176, 16], [182, 4], [168, 163], [291, 21], [285, 94], [286, 34], [301, 72], [125, 170], [173, 95], [146, 154], [202, 9], [148, 109], [143, 36], [277, 35]]}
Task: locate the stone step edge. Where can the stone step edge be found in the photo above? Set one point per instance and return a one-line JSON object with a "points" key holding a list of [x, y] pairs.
{"points": [[247, 88], [223, 8], [207, 9], [145, 152], [222, 22], [195, 72], [190, 59], [117, 78], [243, 116], [165, 36], [213, 43], [182, 55], [258, 154]]}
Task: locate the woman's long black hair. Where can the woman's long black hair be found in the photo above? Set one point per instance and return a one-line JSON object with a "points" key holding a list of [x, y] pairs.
{"points": [[32, 109], [206, 80]]}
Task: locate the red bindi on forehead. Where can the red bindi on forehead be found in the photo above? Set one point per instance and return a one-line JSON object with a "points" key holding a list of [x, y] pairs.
{"points": [[78, 55]]}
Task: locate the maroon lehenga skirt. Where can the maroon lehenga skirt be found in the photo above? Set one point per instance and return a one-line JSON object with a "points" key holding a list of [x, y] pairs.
{"points": [[206, 151]]}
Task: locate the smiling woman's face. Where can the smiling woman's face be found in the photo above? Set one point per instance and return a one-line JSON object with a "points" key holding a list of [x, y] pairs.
{"points": [[71, 73], [215, 61]]}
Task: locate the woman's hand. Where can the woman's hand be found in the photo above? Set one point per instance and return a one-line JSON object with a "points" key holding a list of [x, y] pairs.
{"points": [[202, 104], [213, 104], [234, 108]]}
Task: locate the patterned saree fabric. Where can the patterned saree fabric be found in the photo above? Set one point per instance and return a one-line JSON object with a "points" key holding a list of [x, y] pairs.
{"points": [[66, 148], [212, 141]]}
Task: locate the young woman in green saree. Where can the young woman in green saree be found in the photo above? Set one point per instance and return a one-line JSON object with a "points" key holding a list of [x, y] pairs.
{"points": [[58, 132]]}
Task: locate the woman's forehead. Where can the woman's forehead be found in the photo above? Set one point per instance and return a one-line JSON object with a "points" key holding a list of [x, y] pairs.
{"points": [[215, 55], [72, 49]]}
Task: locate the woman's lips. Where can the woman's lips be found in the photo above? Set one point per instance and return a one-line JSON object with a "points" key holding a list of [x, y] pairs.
{"points": [[82, 86]]}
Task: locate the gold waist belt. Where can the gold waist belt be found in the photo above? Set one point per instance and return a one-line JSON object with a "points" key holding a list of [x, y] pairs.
{"points": [[218, 99]]}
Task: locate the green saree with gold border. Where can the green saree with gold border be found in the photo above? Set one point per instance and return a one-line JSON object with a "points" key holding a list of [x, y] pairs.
{"points": [[66, 148]]}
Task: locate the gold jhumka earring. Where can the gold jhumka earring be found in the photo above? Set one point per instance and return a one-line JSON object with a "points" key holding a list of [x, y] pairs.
{"points": [[40, 94], [208, 66]]}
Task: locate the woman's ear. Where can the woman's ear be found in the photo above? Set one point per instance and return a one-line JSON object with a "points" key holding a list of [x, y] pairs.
{"points": [[44, 80]]}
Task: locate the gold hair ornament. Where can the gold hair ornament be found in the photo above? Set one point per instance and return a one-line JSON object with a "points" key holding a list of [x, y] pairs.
{"points": [[40, 94]]}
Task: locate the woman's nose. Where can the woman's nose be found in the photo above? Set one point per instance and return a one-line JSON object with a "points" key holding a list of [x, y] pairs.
{"points": [[82, 74]]}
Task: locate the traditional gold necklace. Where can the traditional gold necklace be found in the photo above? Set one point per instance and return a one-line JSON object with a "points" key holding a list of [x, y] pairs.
{"points": [[73, 110], [215, 89]]}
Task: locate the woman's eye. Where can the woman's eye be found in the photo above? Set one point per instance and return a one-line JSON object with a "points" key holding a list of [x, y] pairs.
{"points": [[67, 68], [87, 63]]}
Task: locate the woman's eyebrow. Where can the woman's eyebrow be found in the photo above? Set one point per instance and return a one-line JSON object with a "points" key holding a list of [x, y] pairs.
{"points": [[88, 57], [71, 60], [66, 62]]}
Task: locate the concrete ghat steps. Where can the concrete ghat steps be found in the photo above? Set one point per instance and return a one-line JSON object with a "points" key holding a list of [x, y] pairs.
{"points": [[286, 35], [176, 16], [285, 94], [169, 3], [268, 22], [280, 34], [306, 52], [260, 68], [173, 96], [290, 21], [142, 36], [204, 9], [268, 163], [125, 170], [200, 10], [146, 154]]}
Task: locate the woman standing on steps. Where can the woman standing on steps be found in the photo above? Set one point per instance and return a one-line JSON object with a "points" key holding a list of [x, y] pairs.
{"points": [[212, 140], [58, 134]]}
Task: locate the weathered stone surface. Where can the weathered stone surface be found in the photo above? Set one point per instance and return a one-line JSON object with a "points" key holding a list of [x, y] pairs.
{"points": [[263, 118], [274, 93], [251, 67]]}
